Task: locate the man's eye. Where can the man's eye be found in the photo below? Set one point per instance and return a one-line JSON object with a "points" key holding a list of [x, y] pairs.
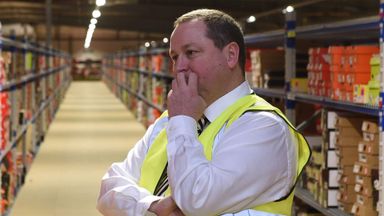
{"points": [[191, 52]]}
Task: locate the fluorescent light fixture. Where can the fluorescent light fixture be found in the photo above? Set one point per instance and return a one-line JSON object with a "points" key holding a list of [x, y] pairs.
{"points": [[92, 26], [147, 44], [288, 9], [251, 19], [165, 40], [100, 2], [96, 13], [93, 21]]}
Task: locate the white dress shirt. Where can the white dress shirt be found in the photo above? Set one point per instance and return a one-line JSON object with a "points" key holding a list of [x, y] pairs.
{"points": [[253, 162]]}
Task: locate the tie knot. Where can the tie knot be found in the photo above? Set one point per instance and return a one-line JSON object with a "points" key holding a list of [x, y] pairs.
{"points": [[202, 124]]}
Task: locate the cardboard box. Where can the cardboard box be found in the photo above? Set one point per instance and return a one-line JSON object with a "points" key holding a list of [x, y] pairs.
{"points": [[346, 170], [371, 137], [346, 207], [363, 169], [371, 160], [344, 141], [349, 198], [347, 189], [347, 151], [350, 132], [364, 180], [370, 126], [366, 190], [347, 179], [361, 210], [365, 200], [347, 160], [349, 122], [367, 147]]}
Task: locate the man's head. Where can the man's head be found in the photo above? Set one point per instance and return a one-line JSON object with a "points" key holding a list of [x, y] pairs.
{"points": [[221, 28], [210, 44]]}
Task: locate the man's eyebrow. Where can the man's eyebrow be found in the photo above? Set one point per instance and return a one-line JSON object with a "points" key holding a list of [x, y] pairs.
{"points": [[184, 47]]}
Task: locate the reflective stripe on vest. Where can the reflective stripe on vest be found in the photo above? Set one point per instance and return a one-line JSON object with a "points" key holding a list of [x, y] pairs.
{"points": [[156, 157]]}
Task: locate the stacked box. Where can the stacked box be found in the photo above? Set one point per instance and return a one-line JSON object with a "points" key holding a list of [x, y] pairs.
{"points": [[360, 74], [347, 137], [319, 72], [374, 82], [366, 171], [336, 56], [267, 68]]}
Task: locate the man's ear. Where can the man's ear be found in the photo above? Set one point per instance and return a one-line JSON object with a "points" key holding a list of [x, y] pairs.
{"points": [[232, 54]]}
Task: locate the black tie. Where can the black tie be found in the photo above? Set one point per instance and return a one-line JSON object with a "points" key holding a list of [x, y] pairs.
{"points": [[162, 184]]}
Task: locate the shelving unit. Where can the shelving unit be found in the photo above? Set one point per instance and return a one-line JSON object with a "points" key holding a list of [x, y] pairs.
{"points": [[33, 82], [141, 80], [349, 31]]}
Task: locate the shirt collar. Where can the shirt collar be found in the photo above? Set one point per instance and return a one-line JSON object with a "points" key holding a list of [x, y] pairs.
{"points": [[217, 107]]}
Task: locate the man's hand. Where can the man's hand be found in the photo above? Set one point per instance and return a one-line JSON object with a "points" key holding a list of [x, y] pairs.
{"points": [[184, 98], [165, 207]]}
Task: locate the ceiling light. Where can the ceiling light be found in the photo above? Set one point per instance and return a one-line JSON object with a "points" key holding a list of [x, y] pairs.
{"points": [[251, 19], [147, 44], [165, 40], [96, 13], [94, 21], [288, 9], [100, 2], [92, 26]]}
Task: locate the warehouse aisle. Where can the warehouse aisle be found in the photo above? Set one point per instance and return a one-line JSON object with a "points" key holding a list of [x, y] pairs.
{"points": [[91, 130]]}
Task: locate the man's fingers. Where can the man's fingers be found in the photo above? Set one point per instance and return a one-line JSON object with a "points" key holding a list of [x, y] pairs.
{"points": [[174, 84], [181, 80], [192, 82]]}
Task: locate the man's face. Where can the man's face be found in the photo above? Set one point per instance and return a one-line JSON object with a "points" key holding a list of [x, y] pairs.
{"points": [[193, 52]]}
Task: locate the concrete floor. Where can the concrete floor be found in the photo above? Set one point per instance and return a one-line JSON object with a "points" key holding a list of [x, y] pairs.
{"points": [[91, 130]]}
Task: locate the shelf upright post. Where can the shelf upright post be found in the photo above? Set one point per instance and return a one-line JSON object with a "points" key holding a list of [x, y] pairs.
{"points": [[290, 63], [379, 186]]}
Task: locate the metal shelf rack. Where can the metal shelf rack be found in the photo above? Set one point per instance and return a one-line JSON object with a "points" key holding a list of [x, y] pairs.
{"points": [[351, 32]]}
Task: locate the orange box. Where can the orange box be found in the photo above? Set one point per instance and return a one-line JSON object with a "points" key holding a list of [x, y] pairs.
{"points": [[335, 59], [365, 49], [339, 50], [361, 59], [358, 78], [361, 68]]}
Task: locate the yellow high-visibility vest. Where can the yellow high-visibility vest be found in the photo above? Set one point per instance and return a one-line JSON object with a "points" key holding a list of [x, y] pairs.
{"points": [[156, 158]]}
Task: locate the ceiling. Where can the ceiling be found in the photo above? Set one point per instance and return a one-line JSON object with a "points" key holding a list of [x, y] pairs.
{"points": [[140, 20]]}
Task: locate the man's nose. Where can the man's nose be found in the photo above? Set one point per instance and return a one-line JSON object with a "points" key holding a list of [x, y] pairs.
{"points": [[181, 64]]}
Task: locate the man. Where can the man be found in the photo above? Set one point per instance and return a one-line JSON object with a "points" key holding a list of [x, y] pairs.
{"points": [[246, 161]]}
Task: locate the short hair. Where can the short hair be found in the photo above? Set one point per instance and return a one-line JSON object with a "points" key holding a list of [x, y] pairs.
{"points": [[222, 29]]}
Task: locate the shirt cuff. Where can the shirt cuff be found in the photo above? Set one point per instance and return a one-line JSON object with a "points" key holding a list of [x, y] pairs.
{"points": [[181, 125], [147, 201]]}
